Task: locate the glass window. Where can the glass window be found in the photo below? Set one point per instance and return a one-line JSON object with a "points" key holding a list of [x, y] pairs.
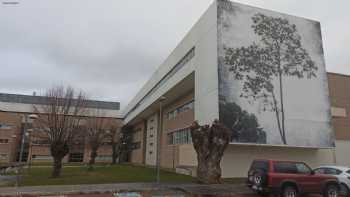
{"points": [[182, 136], [285, 167], [303, 169], [320, 171], [332, 171], [262, 165], [136, 145], [170, 115], [175, 113], [76, 157], [5, 126], [4, 141]]}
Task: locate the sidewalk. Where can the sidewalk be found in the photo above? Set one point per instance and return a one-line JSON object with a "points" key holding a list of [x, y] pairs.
{"points": [[191, 189]]}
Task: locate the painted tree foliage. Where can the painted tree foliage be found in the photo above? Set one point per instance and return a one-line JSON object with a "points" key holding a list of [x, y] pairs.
{"points": [[244, 125], [263, 66]]}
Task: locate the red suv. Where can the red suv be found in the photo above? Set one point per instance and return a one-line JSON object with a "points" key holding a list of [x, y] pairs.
{"points": [[289, 179]]}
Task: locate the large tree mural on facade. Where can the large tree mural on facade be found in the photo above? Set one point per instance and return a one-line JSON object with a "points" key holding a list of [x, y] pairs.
{"points": [[262, 66]]}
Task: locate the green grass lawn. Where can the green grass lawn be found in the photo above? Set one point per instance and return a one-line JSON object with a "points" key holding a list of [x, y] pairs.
{"points": [[39, 175]]}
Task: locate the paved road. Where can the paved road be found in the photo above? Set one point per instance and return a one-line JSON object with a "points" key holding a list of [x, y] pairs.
{"points": [[102, 190], [7, 179]]}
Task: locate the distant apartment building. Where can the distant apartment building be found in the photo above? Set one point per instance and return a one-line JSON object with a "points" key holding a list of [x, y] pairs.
{"points": [[16, 124]]}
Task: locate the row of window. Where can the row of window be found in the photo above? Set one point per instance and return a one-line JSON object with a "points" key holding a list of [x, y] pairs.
{"points": [[4, 141], [182, 62], [183, 108], [182, 136]]}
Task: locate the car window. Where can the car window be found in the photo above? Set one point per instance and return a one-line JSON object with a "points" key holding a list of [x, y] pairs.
{"points": [[320, 171], [302, 168], [285, 167], [332, 171], [348, 171], [262, 165], [329, 171]]}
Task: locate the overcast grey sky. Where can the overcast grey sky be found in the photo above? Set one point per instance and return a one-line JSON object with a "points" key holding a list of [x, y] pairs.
{"points": [[110, 48]]}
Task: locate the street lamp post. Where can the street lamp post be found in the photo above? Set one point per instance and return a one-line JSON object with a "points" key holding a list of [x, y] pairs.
{"points": [[23, 139], [25, 133], [159, 132]]}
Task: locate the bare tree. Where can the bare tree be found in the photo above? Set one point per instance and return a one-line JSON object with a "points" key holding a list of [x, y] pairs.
{"points": [[99, 129], [210, 143], [115, 137], [59, 118]]}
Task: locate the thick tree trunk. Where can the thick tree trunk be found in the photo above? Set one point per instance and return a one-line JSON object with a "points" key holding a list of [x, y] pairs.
{"points": [[57, 167], [58, 151], [93, 156], [210, 144], [114, 154]]}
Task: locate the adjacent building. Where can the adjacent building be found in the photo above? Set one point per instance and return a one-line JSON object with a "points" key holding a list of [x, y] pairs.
{"points": [[339, 86], [16, 124]]}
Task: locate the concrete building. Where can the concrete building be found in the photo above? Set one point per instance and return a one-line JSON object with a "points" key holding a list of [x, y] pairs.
{"points": [[14, 122], [196, 83], [231, 62]]}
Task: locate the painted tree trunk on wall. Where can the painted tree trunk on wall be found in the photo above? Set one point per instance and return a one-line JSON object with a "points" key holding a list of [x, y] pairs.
{"points": [[210, 143]]}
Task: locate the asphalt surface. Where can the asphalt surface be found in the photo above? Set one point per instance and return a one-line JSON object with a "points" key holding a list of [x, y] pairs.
{"points": [[144, 189]]}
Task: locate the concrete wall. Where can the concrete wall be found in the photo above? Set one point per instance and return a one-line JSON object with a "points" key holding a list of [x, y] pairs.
{"points": [[340, 100], [203, 37], [342, 152], [187, 155], [170, 152], [151, 140], [137, 136], [11, 131], [237, 158]]}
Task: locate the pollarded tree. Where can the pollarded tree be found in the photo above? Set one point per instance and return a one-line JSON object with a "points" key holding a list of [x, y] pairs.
{"points": [[59, 119], [97, 132], [279, 54], [210, 143], [116, 141]]}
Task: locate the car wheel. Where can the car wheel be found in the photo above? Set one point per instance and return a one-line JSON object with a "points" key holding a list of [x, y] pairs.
{"points": [[344, 190], [289, 191], [331, 191]]}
